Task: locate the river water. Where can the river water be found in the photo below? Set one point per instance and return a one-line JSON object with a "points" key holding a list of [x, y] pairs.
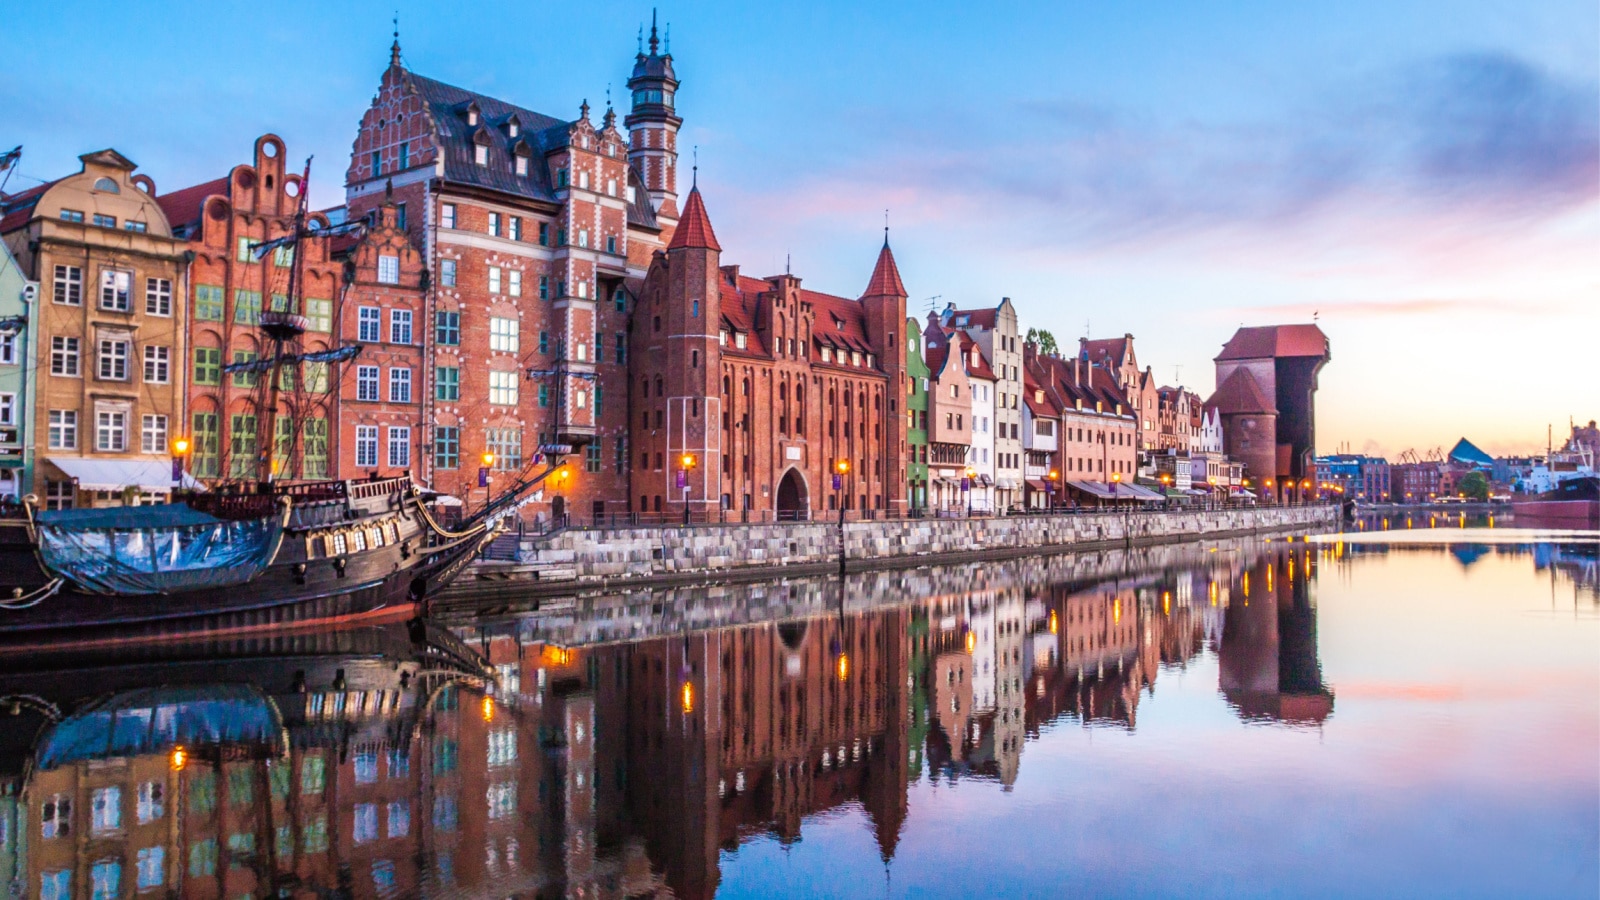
{"points": [[1380, 712]]}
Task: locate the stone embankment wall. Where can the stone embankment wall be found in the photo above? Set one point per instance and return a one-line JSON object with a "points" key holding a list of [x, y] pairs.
{"points": [[606, 555]]}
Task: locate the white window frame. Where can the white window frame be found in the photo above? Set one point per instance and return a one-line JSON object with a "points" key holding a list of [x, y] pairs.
{"points": [[494, 279], [110, 431], [400, 384], [153, 433], [369, 317], [388, 269], [399, 447], [63, 425], [368, 383], [116, 290], [514, 282], [111, 359], [447, 215], [8, 409], [157, 297], [503, 334], [503, 388], [157, 364], [68, 286], [400, 326], [367, 446]]}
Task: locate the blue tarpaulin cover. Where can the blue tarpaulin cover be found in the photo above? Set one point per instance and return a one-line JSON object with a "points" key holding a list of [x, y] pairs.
{"points": [[160, 549], [154, 720]]}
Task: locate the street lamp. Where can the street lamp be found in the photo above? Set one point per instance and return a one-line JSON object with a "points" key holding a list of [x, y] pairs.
{"points": [[686, 466], [483, 470], [180, 449], [966, 485], [1051, 478], [841, 468]]}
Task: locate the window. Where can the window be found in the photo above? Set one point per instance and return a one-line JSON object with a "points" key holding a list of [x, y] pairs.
{"points": [[506, 445], [405, 156], [400, 385], [502, 747], [241, 447], [591, 457], [151, 801], [494, 224], [314, 448], [544, 235], [319, 314], [8, 409], [480, 155], [59, 495], [64, 356], [104, 221], [447, 328], [8, 349], [151, 863], [243, 378], [158, 296], [516, 221], [494, 279], [283, 257], [622, 348], [153, 434], [244, 252], [503, 335], [583, 237], [503, 388], [247, 307], [400, 447], [115, 287], [365, 826], [447, 215], [544, 342], [204, 451], [446, 447], [515, 287], [399, 824], [113, 360], [544, 287], [447, 383], [522, 165], [399, 326], [208, 302], [611, 243], [69, 285], [377, 163], [367, 383], [72, 215], [447, 272], [544, 395], [316, 377], [369, 324], [111, 431], [620, 456], [105, 809], [388, 269], [367, 446]]}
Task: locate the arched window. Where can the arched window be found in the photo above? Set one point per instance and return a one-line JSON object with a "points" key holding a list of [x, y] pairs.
{"points": [[108, 185], [783, 392], [660, 391], [747, 387], [727, 385]]}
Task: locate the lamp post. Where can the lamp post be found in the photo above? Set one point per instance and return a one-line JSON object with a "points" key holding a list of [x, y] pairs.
{"points": [[180, 449], [966, 487], [841, 468], [1051, 477], [686, 466], [1127, 535]]}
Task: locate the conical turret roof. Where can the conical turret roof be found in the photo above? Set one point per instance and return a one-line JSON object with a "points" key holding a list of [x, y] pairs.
{"points": [[885, 276], [694, 227]]}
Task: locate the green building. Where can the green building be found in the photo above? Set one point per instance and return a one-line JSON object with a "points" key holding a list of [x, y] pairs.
{"points": [[17, 296], [916, 421]]}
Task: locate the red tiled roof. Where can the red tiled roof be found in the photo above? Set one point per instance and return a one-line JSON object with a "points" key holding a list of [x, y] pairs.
{"points": [[18, 208], [1275, 341], [183, 207], [1116, 349], [838, 321], [980, 369], [1241, 393], [885, 276], [979, 318], [694, 226]]}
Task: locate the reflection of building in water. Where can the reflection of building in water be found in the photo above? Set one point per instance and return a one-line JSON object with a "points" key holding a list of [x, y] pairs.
{"points": [[1267, 660]]}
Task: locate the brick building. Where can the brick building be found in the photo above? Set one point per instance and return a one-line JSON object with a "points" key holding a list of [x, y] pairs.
{"points": [[1139, 386], [379, 422], [228, 290], [994, 331], [949, 421], [537, 231], [763, 386], [1266, 397]]}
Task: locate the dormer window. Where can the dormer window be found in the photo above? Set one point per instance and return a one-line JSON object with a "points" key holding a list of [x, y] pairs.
{"points": [[480, 155], [739, 340], [522, 165], [827, 355], [722, 338], [513, 127], [1038, 396], [472, 113]]}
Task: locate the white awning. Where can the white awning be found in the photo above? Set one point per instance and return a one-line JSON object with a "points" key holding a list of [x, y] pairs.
{"points": [[115, 474]]}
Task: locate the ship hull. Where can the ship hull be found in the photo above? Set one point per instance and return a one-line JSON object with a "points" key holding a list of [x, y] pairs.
{"points": [[1575, 514], [299, 588]]}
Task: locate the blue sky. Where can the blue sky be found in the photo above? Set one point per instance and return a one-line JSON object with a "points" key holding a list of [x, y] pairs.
{"points": [[1424, 176]]}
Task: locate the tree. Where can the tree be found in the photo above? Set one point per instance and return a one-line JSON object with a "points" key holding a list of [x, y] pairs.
{"points": [[1474, 485], [1045, 340]]}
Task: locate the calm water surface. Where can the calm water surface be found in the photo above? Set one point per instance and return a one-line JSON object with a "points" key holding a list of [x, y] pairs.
{"points": [[1382, 712]]}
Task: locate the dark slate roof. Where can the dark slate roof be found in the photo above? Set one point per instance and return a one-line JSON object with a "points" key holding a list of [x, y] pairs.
{"points": [[17, 209], [543, 135], [1467, 452]]}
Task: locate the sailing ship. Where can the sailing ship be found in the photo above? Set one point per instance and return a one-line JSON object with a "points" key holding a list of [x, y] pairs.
{"points": [[255, 553]]}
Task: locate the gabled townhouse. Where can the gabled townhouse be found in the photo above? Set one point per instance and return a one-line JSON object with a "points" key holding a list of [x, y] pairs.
{"points": [[994, 330], [949, 422]]}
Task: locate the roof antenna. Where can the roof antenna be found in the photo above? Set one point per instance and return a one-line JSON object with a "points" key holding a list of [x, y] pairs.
{"points": [[694, 175], [786, 261], [886, 228], [641, 38], [669, 39]]}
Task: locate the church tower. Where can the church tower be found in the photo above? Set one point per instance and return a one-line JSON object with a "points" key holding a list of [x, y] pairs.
{"points": [[652, 125]]}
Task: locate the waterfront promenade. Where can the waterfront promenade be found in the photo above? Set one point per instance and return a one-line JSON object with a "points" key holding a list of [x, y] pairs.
{"points": [[557, 561]]}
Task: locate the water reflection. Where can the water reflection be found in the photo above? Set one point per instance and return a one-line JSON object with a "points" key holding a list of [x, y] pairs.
{"points": [[621, 745]]}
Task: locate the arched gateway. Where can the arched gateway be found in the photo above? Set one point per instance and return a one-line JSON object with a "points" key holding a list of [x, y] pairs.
{"points": [[793, 501]]}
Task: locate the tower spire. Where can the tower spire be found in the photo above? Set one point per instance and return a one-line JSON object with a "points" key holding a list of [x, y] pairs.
{"points": [[394, 48], [694, 173], [886, 228], [654, 43]]}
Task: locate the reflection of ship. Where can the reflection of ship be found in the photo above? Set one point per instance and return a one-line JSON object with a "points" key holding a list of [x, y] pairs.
{"points": [[1573, 503]]}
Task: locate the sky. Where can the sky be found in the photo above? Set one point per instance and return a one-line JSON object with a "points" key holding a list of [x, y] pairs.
{"points": [[1421, 178]]}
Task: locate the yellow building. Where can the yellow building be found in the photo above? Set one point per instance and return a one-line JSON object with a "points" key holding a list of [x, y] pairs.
{"points": [[111, 326]]}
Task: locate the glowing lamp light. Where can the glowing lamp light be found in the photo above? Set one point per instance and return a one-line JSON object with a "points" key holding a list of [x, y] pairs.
{"points": [[972, 641], [688, 460], [180, 446], [842, 466], [1055, 626], [488, 458], [1116, 478], [488, 709], [688, 697], [844, 666], [180, 758], [1116, 611]]}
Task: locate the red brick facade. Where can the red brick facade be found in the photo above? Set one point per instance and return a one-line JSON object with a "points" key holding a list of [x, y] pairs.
{"points": [[228, 290], [764, 386]]}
